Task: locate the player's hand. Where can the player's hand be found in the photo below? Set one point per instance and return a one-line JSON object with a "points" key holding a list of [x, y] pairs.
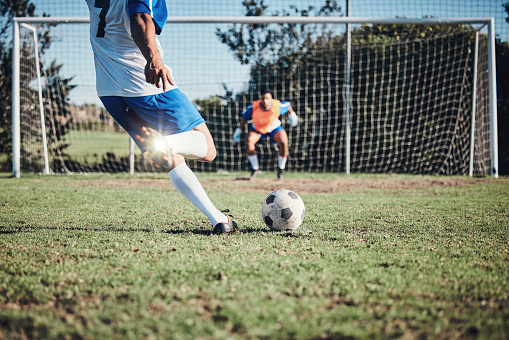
{"points": [[293, 119], [236, 136], [158, 74]]}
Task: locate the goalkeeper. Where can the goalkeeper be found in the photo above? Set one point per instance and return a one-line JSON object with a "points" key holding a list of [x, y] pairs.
{"points": [[264, 114], [139, 92]]}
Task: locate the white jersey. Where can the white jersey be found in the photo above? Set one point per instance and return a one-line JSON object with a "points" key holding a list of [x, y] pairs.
{"points": [[119, 64]]}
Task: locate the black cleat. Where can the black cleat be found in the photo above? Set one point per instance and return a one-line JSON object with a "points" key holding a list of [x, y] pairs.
{"points": [[224, 228], [255, 173], [158, 149], [280, 174]]}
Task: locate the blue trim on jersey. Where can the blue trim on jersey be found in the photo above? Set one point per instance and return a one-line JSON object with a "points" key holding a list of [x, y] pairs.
{"points": [[169, 112], [284, 107], [268, 134], [248, 112], [159, 12]]}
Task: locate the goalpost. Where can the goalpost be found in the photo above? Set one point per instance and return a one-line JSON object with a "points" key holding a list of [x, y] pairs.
{"points": [[413, 101], [39, 97]]}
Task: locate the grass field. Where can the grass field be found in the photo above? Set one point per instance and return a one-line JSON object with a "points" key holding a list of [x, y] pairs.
{"points": [[378, 256], [91, 146]]}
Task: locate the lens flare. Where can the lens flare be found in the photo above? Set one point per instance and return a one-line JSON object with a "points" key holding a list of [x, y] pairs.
{"points": [[159, 145]]}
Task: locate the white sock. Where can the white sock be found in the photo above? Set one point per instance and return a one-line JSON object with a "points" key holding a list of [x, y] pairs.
{"points": [[253, 159], [190, 144], [281, 162], [185, 181]]}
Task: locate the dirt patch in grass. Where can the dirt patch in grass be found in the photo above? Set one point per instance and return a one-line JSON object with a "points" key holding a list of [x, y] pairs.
{"points": [[312, 186], [302, 186]]}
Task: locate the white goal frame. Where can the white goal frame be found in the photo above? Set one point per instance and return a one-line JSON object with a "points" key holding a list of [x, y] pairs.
{"points": [[489, 22]]}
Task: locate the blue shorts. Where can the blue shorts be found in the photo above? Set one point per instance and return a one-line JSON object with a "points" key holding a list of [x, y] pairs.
{"points": [[268, 134], [169, 112]]}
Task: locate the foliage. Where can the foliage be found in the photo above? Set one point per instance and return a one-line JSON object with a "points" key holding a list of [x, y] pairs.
{"points": [[55, 90], [203, 105], [258, 45], [388, 34], [57, 107], [8, 9], [502, 51]]}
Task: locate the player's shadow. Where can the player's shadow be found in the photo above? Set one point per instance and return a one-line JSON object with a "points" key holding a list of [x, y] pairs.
{"points": [[5, 232], [7, 176], [242, 178], [13, 230]]}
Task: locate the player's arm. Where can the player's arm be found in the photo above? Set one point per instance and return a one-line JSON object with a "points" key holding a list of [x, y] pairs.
{"points": [[246, 115], [242, 124], [143, 32], [238, 131], [293, 119]]}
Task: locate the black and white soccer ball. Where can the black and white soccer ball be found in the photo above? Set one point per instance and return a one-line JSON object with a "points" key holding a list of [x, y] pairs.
{"points": [[283, 210]]}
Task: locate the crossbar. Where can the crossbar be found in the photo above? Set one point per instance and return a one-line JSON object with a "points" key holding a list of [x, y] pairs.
{"points": [[274, 20]]}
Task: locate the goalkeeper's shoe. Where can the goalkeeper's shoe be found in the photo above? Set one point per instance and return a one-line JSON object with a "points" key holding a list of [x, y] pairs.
{"points": [[158, 149], [280, 174], [255, 173], [225, 227]]}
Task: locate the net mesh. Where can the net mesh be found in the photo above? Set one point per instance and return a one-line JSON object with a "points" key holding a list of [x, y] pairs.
{"points": [[410, 94], [412, 106]]}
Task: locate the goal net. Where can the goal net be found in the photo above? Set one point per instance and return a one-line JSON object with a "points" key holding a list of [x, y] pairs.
{"points": [[388, 97]]}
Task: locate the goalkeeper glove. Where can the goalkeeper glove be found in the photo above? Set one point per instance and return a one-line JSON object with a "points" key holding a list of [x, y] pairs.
{"points": [[236, 135], [293, 119]]}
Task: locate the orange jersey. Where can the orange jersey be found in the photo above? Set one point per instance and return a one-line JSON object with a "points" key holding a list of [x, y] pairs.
{"points": [[262, 120]]}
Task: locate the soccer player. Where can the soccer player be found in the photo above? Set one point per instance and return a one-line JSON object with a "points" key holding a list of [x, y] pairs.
{"points": [[139, 92], [264, 114]]}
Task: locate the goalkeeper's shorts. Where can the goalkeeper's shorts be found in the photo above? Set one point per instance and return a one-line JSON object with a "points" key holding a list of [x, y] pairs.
{"points": [[270, 135], [169, 113]]}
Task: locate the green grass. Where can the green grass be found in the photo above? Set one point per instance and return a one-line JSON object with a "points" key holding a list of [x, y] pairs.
{"points": [[90, 146], [120, 257]]}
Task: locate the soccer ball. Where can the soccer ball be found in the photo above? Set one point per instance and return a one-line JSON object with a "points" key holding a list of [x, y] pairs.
{"points": [[283, 210]]}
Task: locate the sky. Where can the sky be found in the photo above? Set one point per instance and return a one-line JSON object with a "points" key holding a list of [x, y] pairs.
{"points": [[200, 62]]}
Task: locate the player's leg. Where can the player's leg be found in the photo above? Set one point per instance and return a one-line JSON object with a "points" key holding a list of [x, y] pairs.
{"points": [[159, 152], [172, 115], [251, 139], [281, 138], [140, 129], [133, 115], [186, 182], [195, 144]]}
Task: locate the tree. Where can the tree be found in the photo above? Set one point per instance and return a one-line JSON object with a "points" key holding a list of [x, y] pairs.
{"points": [[502, 51], [8, 9], [257, 44], [60, 101]]}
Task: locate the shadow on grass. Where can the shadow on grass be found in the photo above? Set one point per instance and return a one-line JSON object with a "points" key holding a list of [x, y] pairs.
{"points": [[27, 229], [13, 230], [4, 232]]}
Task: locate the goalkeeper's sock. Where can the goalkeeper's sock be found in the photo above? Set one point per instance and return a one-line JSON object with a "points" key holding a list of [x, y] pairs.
{"points": [[253, 159], [185, 181], [190, 144], [281, 162]]}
